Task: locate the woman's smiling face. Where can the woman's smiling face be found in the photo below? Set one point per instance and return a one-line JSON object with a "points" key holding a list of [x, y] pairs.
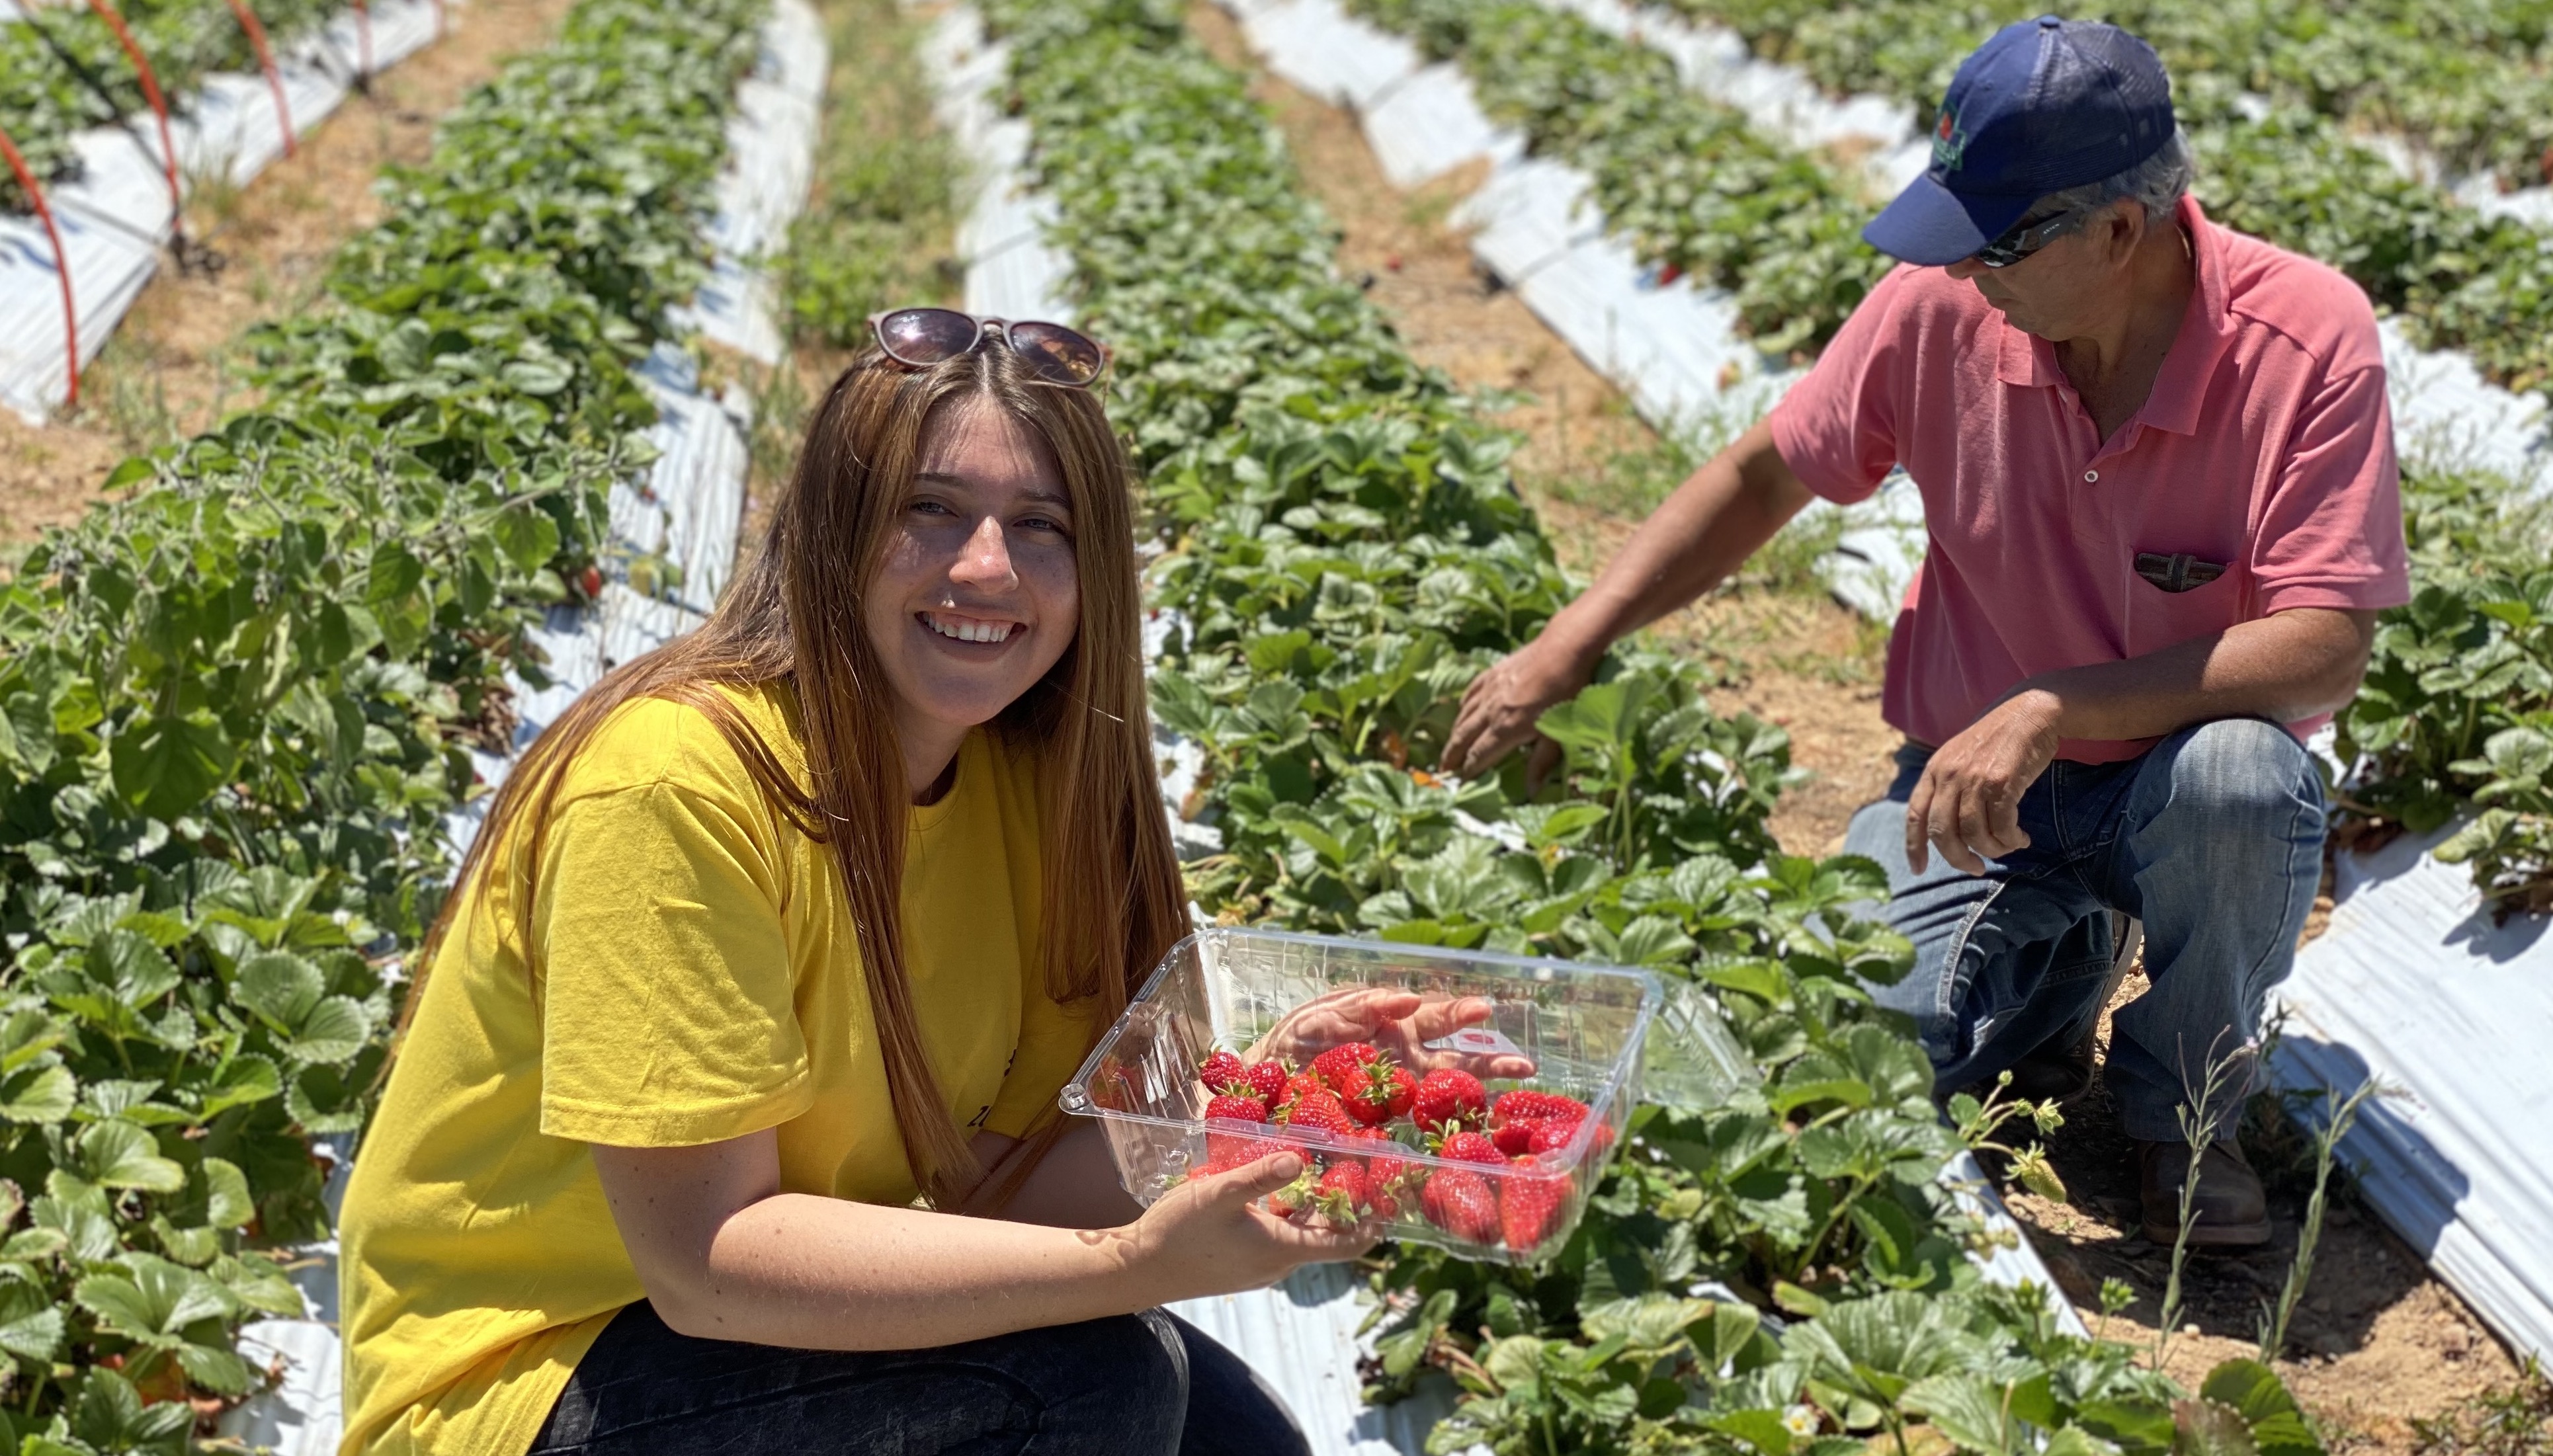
{"points": [[978, 594]]}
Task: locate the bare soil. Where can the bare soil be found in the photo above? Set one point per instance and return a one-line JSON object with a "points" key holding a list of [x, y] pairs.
{"points": [[174, 367], [2377, 1341]]}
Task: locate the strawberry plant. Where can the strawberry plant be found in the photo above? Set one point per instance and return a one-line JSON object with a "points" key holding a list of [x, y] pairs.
{"points": [[233, 704], [63, 69], [1340, 553]]}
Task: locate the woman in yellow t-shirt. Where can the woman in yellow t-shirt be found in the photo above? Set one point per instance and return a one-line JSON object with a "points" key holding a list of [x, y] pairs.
{"points": [[764, 975]]}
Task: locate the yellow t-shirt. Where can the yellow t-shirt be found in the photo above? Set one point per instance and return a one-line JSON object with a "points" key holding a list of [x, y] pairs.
{"points": [[700, 980]]}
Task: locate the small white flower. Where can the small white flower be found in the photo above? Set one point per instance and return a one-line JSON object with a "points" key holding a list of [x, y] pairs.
{"points": [[1802, 1421]]}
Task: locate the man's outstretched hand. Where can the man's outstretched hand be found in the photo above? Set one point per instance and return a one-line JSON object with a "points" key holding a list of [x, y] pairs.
{"points": [[1968, 801], [1502, 705]]}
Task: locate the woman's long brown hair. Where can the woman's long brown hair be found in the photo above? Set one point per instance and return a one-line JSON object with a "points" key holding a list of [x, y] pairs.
{"points": [[1111, 902]]}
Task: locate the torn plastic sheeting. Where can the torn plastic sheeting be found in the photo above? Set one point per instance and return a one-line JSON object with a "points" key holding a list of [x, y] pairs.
{"points": [[2457, 1161], [233, 130], [108, 267], [1321, 51], [1674, 350], [1429, 125]]}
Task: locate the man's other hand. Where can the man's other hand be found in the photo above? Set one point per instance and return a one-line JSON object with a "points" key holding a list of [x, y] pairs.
{"points": [[1501, 705], [1968, 801]]}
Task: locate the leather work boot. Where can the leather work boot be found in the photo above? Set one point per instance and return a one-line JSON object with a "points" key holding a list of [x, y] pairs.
{"points": [[2230, 1210]]}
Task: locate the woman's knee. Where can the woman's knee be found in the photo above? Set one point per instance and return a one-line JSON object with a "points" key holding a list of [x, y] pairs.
{"points": [[1107, 1386]]}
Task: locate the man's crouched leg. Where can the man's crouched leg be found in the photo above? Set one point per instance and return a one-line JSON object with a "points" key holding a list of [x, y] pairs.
{"points": [[2214, 839]]}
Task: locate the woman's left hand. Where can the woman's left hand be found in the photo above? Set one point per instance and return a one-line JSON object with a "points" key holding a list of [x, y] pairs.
{"points": [[1400, 1022]]}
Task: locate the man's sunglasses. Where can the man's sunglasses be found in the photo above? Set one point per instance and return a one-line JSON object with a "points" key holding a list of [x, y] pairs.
{"points": [[922, 337], [2026, 239]]}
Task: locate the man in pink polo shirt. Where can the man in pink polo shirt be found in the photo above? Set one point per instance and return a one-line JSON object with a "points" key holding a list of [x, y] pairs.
{"points": [[2158, 484]]}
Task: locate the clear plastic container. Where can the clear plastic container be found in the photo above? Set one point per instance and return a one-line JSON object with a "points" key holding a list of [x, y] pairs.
{"points": [[1584, 1027]]}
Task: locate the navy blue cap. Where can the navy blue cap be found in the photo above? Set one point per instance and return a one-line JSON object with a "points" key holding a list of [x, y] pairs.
{"points": [[2042, 104]]}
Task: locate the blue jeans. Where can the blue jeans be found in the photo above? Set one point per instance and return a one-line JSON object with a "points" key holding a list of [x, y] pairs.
{"points": [[2213, 838], [1107, 1386]]}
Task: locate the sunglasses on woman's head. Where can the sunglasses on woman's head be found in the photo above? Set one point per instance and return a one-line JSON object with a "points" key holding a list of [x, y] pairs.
{"points": [[1055, 355], [2027, 238]]}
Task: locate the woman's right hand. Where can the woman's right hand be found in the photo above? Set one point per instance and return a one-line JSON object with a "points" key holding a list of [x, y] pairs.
{"points": [[1209, 1236]]}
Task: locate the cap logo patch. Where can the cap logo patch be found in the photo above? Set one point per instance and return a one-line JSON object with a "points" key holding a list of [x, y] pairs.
{"points": [[1949, 140]]}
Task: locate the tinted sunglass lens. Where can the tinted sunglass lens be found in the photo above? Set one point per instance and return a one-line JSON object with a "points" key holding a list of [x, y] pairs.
{"points": [[926, 335], [1056, 354]]}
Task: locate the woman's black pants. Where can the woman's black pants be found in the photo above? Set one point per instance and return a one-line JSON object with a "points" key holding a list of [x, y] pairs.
{"points": [[1139, 1384]]}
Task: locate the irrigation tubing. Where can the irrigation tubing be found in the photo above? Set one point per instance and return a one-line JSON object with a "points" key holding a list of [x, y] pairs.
{"points": [[61, 259], [158, 108], [273, 79]]}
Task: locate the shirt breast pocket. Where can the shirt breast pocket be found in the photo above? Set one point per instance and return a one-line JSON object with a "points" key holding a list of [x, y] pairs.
{"points": [[2156, 618]]}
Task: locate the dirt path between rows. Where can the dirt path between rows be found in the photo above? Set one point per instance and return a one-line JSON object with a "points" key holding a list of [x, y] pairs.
{"points": [[2377, 1341], [172, 368]]}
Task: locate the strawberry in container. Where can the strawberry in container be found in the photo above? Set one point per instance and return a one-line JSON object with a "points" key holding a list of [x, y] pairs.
{"points": [[1461, 1098]]}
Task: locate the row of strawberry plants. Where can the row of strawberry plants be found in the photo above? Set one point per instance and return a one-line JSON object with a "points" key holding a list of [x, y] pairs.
{"points": [[2470, 82], [235, 705], [2459, 703], [2296, 173], [63, 67], [1341, 553]]}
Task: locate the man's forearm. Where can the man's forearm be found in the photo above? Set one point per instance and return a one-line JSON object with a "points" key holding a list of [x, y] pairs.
{"points": [[1717, 518], [2284, 668]]}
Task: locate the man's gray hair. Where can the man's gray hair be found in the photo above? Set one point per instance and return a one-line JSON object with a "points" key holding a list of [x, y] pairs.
{"points": [[2157, 182]]}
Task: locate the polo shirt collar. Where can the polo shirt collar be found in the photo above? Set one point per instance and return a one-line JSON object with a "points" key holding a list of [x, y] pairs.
{"points": [[2181, 386]]}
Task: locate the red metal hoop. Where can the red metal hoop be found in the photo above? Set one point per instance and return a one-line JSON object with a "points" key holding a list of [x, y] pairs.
{"points": [[273, 78], [158, 107], [62, 260], [363, 41]]}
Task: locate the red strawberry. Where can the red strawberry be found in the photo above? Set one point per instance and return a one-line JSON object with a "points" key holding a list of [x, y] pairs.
{"points": [[1387, 1175], [1527, 1207], [1318, 1111], [1527, 1104], [591, 578], [1387, 1092], [1223, 1072], [1226, 1150], [1268, 1081], [1449, 1101], [1344, 1067], [1517, 1115], [1471, 1147], [1459, 1201], [1342, 1193], [1551, 1136]]}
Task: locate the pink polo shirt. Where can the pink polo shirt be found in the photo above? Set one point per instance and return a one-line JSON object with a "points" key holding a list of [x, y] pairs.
{"points": [[2267, 448]]}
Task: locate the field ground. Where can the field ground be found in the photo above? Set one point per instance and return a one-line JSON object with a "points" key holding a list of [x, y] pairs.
{"points": [[2378, 1344], [171, 369]]}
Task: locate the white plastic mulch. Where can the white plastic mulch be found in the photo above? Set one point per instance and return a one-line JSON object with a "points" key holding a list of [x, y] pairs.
{"points": [[687, 516], [116, 216], [2413, 983]]}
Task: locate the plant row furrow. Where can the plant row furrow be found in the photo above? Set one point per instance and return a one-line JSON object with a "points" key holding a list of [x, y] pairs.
{"points": [[1342, 552], [235, 708], [2458, 706]]}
